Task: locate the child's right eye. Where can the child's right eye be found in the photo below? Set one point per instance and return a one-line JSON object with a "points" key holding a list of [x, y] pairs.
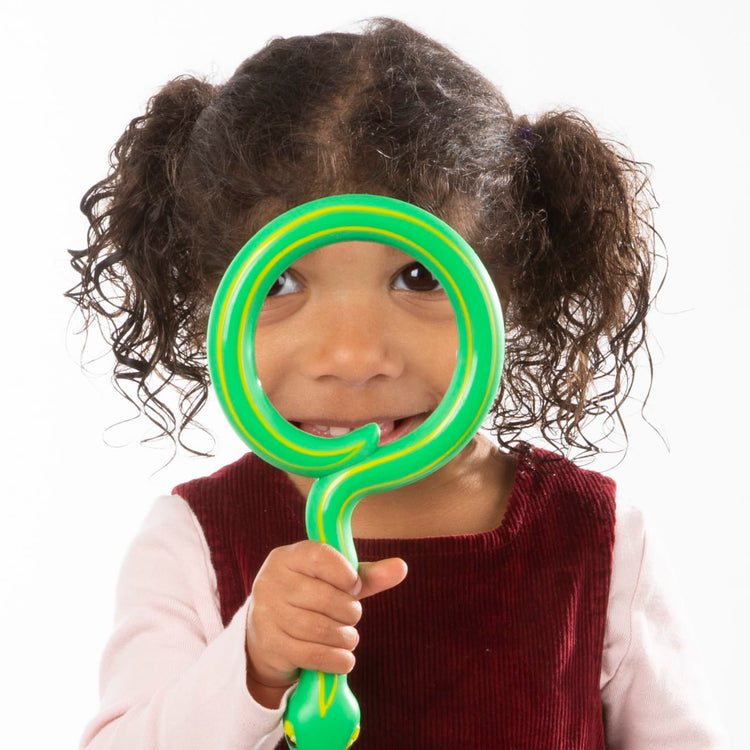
{"points": [[285, 284], [416, 278]]}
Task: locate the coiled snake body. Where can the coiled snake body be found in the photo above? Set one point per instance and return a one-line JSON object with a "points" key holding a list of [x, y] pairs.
{"points": [[322, 713]]}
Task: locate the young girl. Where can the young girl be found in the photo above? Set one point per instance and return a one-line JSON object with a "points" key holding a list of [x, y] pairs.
{"points": [[533, 613]]}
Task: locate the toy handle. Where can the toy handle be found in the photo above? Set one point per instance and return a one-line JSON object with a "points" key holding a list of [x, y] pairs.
{"points": [[323, 713]]}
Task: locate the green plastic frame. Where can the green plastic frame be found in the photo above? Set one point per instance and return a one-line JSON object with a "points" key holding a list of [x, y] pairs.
{"points": [[323, 714]]}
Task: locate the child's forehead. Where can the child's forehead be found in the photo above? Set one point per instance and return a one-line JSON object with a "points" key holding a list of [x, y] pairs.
{"points": [[351, 250]]}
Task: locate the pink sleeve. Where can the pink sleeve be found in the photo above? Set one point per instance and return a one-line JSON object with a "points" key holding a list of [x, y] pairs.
{"points": [[172, 677], [653, 692]]}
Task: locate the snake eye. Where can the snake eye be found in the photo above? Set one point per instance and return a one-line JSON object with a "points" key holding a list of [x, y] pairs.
{"points": [[355, 734], [291, 738]]}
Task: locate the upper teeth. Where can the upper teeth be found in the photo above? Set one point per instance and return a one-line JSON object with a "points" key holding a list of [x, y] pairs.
{"points": [[328, 430], [338, 431]]}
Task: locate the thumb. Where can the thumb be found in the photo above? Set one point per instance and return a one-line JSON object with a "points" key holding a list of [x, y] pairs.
{"points": [[380, 576]]}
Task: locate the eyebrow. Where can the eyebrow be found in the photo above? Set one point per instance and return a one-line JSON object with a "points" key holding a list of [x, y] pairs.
{"points": [[395, 251]]}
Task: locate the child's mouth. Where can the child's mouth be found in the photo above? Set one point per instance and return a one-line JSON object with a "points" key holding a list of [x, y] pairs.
{"points": [[390, 429]]}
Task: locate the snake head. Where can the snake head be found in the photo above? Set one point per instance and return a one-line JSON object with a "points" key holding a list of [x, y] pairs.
{"points": [[322, 713], [291, 736]]}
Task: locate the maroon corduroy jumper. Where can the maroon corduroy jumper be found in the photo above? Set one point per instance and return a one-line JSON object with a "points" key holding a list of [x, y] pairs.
{"points": [[494, 640]]}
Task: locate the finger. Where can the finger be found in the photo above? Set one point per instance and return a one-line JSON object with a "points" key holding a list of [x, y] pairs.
{"points": [[319, 560], [274, 653], [381, 575], [317, 657], [313, 627], [316, 596]]}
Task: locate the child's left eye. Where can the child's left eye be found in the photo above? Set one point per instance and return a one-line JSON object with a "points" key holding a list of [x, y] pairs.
{"points": [[285, 284], [416, 278]]}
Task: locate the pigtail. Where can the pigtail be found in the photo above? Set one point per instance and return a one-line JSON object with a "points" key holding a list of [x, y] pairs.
{"points": [[581, 264], [138, 273]]}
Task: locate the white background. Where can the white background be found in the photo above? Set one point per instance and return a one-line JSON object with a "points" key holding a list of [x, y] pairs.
{"points": [[669, 79]]}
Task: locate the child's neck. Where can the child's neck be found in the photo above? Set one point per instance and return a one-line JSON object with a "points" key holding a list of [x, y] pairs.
{"points": [[467, 496]]}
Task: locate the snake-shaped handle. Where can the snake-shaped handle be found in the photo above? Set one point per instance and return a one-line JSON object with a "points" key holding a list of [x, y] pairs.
{"points": [[322, 713]]}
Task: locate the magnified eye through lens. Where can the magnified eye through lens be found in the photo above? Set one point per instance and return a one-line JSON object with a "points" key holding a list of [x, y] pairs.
{"points": [[417, 278], [285, 284]]}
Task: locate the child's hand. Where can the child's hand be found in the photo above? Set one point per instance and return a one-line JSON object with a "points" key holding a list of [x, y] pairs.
{"points": [[303, 610]]}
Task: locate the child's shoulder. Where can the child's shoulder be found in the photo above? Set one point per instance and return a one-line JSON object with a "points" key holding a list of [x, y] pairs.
{"points": [[550, 478], [551, 466], [246, 475]]}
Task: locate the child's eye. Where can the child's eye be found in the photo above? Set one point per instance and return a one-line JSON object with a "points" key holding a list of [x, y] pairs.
{"points": [[285, 284], [416, 278]]}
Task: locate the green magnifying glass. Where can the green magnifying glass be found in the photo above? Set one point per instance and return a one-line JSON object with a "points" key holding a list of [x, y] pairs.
{"points": [[322, 713]]}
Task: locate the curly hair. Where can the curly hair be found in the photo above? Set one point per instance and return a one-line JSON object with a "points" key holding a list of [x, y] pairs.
{"points": [[560, 217]]}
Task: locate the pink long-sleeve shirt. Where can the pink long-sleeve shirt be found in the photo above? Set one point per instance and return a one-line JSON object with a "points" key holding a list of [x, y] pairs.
{"points": [[172, 676]]}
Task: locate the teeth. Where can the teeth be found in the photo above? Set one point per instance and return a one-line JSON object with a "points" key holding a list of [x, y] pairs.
{"points": [[337, 431], [325, 430]]}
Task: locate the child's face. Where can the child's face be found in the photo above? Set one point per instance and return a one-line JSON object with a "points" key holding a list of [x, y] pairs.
{"points": [[352, 333]]}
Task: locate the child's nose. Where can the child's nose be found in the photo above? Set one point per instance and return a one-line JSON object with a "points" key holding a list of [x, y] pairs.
{"points": [[355, 346]]}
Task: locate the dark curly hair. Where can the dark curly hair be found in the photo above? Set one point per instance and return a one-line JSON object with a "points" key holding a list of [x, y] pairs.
{"points": [[561, 218]]}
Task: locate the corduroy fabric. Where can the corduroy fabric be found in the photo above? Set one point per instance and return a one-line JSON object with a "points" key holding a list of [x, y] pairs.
{"points": [[494, 640]]}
